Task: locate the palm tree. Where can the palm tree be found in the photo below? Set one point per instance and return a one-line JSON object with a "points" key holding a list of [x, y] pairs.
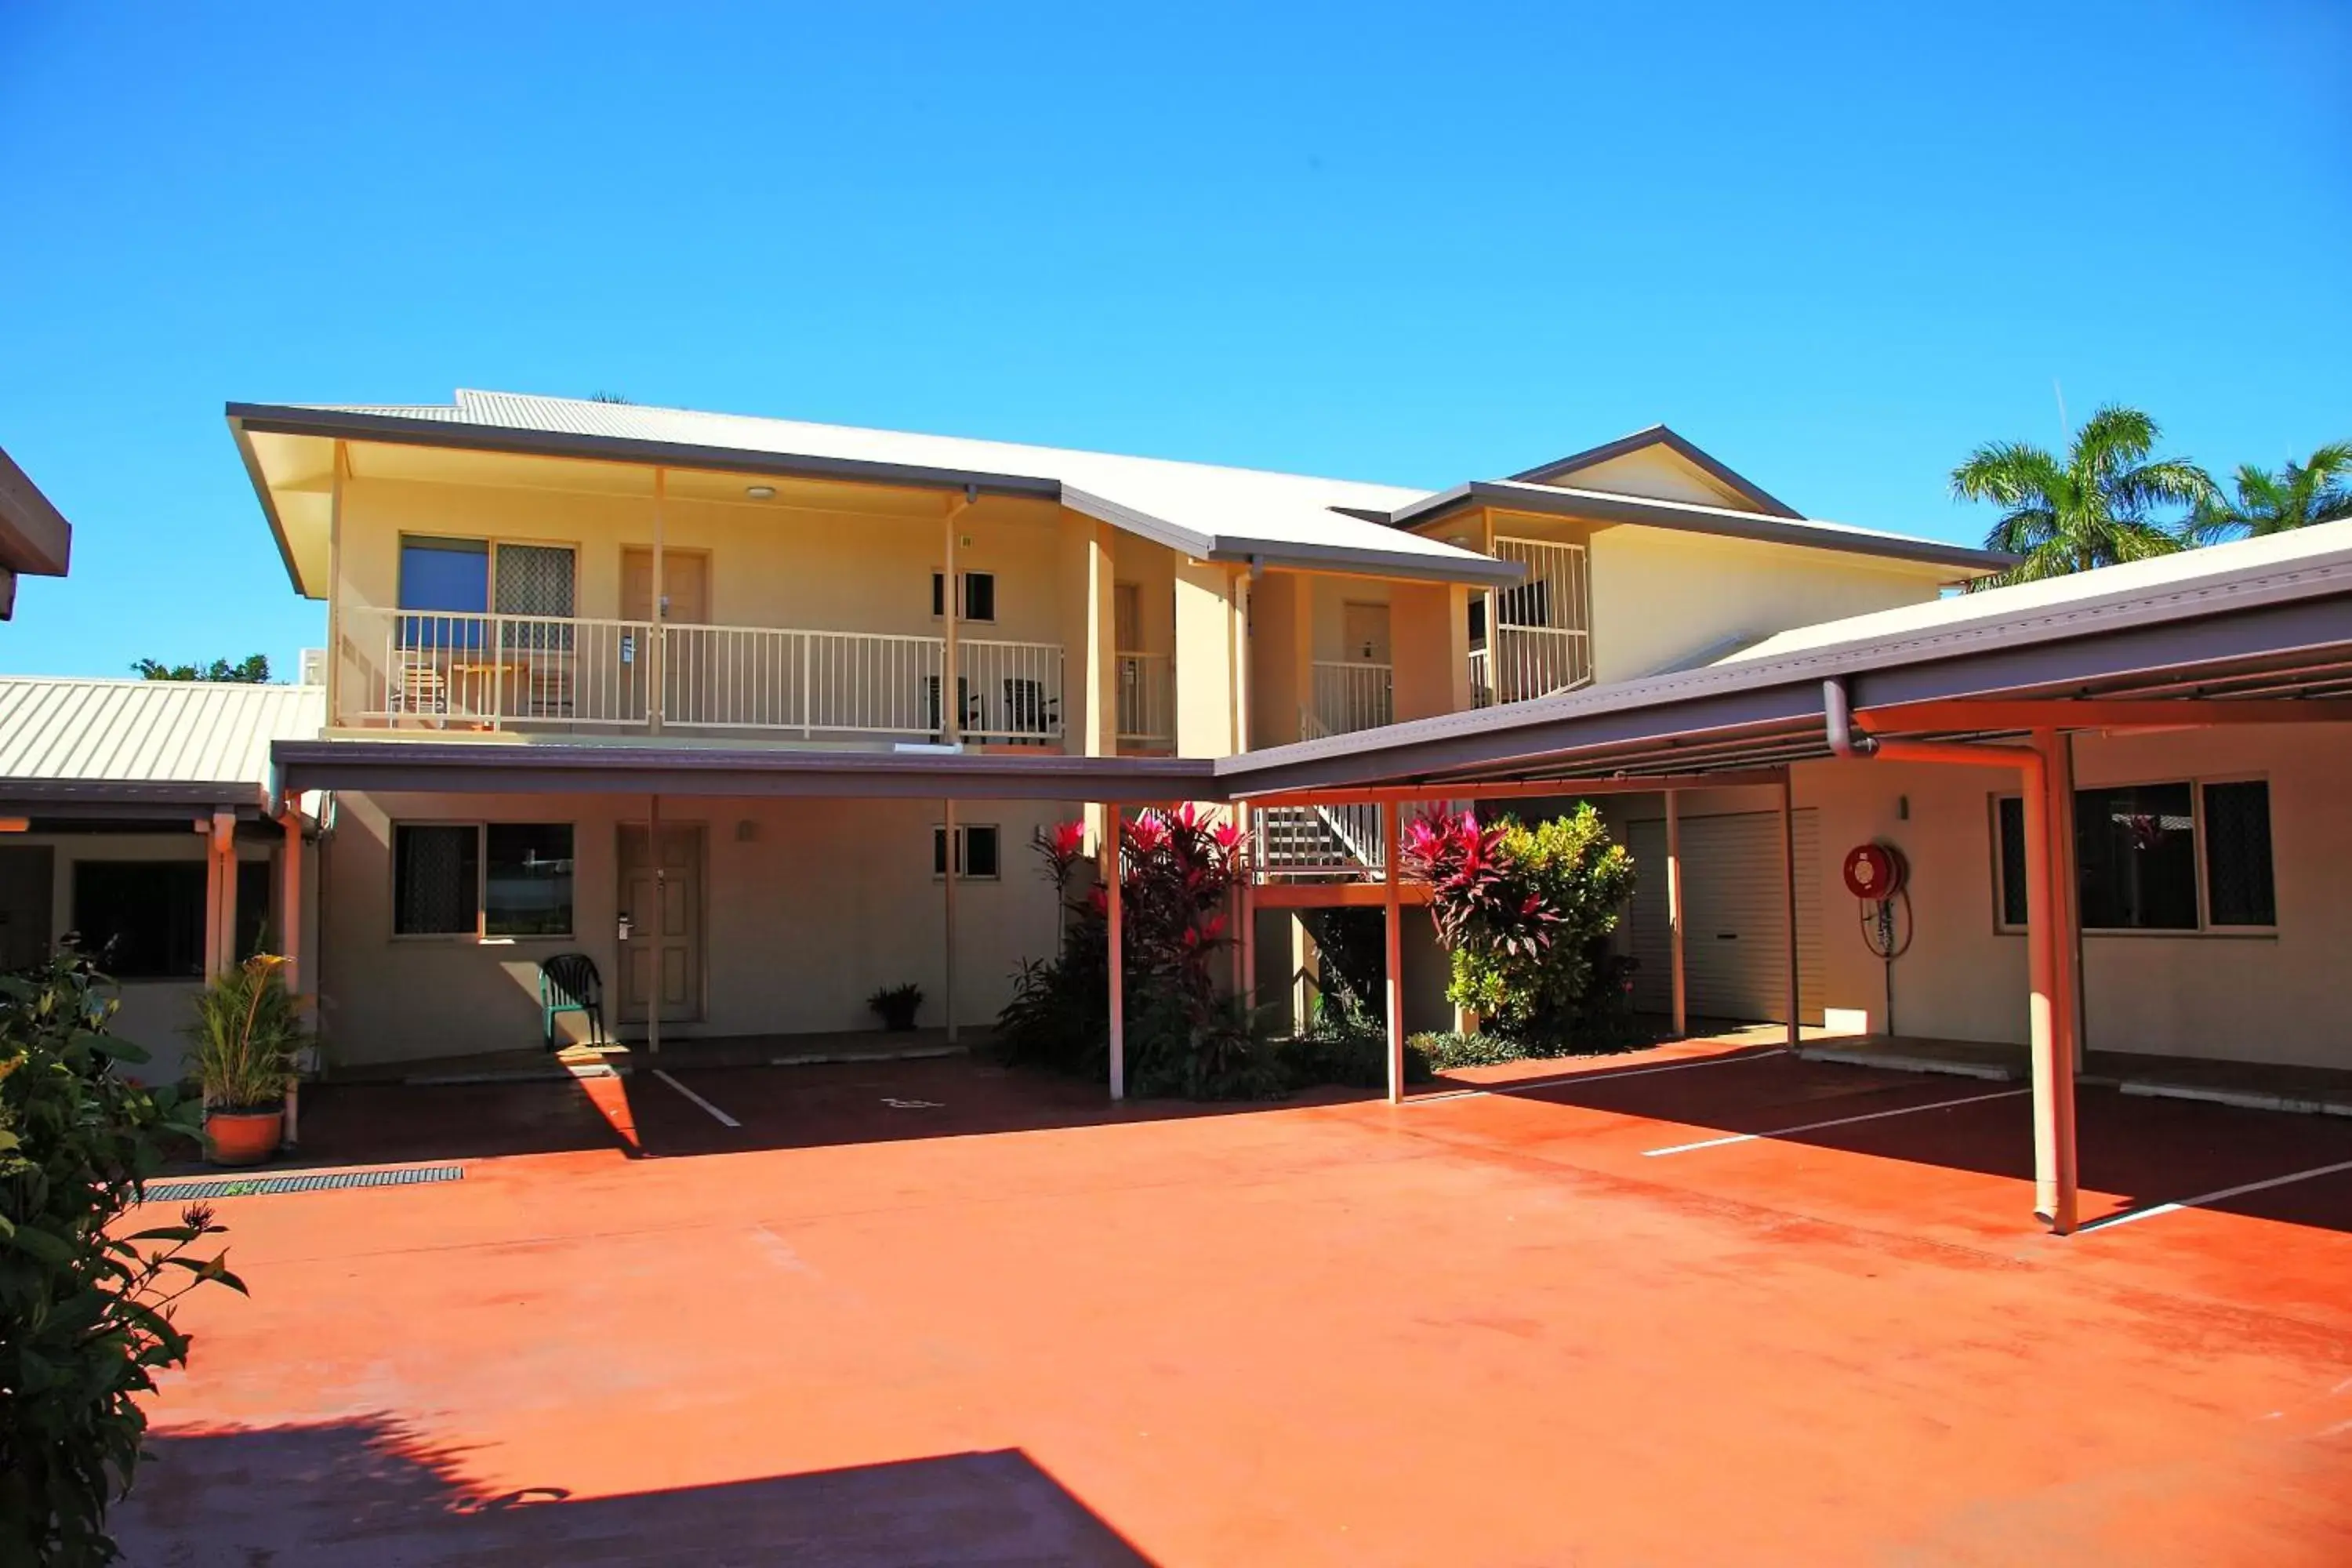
{"points": [[2092, 509], [2297, 496]]}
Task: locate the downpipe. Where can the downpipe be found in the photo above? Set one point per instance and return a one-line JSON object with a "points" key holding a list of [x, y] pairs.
{"points": [[2054, 1169]]}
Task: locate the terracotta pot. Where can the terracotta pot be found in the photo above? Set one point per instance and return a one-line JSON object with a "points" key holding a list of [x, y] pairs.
{"points": [[243, 1136]]}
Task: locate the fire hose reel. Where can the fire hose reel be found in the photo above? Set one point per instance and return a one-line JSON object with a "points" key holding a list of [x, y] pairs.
{"points": [[1874, 872]]}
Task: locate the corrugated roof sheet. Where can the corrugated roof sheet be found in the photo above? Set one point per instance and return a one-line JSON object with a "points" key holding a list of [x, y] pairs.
{"points": [[1198, 506], [150, 732], [2186, 572]]}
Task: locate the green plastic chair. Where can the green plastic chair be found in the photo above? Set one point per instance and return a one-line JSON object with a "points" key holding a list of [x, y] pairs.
{"points": [[568, 983]]}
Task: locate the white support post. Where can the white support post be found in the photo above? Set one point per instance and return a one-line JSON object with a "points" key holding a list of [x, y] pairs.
{"points": [[948, 882], [1674, 934], [951, 608], [1249, 928], [657, 596], [289, 946], [1392, 837], [1113, 839], [661, 895], [220, 895], [335, 591]]}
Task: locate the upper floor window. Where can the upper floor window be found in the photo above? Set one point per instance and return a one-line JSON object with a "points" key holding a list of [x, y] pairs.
{"points": [[978, 595], [2158, 856], [475, 576]]}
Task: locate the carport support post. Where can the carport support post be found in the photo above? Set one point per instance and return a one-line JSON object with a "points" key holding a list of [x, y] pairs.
{"points": [[1789, 892], [1392, 847], [1674, 912], [948, 882], [2050, 940], [290, 944], [661, 911], [1114, 834], [220, 894]]}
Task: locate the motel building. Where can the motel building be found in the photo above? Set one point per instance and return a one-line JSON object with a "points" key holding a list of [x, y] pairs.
{"points": [[672, 689]]}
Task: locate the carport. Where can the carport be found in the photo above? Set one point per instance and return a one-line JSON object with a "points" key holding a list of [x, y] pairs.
{"points": [[2255, 633]]}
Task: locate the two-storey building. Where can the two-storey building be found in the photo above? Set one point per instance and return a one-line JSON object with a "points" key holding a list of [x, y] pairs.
{"points": [[763, 715]]}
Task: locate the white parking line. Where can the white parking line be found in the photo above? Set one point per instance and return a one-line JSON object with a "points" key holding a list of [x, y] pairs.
{"points": [[724, 1119], [1586, 1078], [2202, 1199], [1836, 1121]]}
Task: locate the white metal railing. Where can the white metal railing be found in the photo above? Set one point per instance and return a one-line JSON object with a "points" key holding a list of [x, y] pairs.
{"points": [[1320, 842], [1352, 695], [1147, 698], [1539, 634], [507, 671]]}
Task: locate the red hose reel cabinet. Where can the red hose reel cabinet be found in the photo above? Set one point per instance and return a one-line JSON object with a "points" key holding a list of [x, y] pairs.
{"points": [[1874, 872]]}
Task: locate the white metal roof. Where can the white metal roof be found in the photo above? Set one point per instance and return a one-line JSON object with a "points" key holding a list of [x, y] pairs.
{"points": [[149, 731], [2188, 572], [1207, 512]]}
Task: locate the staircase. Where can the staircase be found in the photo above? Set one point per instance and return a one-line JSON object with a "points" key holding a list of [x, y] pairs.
{"points": [[1319, 843]]}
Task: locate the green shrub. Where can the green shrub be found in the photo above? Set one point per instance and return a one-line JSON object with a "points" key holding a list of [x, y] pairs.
{"points": [[1524, 914], [1443, 1049], [85, 1316], [1346, 1049]]}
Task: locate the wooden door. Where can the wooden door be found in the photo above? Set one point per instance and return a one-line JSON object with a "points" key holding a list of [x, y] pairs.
{"points": [[665, 947], [25, 891], [1126, 617], [1364, 629], [690, 679]]}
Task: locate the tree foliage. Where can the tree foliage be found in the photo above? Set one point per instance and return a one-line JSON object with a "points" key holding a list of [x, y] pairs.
{"points": [[2318, 489], [2097, 507], [85, 1314], [1179, 869], [253, 669], [1524, 914]]}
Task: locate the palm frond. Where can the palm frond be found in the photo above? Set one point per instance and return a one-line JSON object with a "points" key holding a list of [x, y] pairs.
{"points": [[2113, 441], [2010, 474]]}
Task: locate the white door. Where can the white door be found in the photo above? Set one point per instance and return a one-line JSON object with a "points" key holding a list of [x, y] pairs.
{"points": [[664, 952], [1736, 917]]}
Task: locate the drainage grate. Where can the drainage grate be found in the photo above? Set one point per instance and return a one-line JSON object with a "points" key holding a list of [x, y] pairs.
{"points": [[310, 1182]]}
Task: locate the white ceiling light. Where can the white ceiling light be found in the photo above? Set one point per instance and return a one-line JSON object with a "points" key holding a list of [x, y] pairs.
{"points": [[761, 492]]}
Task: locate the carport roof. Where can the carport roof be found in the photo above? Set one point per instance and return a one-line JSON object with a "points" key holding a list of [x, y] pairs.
{"points": [[2267, 617], [427, 766]]}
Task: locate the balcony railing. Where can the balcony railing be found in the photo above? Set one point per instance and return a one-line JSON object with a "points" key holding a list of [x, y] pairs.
{"points": [[1146, 701], [423, 669], [1541, 639], [1352, 695]]}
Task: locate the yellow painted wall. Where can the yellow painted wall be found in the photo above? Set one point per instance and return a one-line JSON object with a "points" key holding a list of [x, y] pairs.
{"points": [[1208, 649], [1282, 610], [826, 901], [1661, 597], [1429, 626], [1657, 473]]}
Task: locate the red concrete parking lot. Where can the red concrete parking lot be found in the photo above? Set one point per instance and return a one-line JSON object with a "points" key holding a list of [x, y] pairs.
{"points": [[1693, 1305]]}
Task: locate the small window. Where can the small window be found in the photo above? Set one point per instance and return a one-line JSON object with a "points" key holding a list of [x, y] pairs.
{"points": [[527, 878], [2238, 885], [436, 880], [500, 879], [2136, 857], [141, 919], [978, 595], [452, 575], [2136, 848], [977, 847]]}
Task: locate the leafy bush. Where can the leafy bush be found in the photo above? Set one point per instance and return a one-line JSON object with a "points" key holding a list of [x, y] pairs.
{"points": [[896, 1006], [1347, 1049], [1179, 868], [1525, 912], [1452, 1049], [85, 1316], [247, 1033]]}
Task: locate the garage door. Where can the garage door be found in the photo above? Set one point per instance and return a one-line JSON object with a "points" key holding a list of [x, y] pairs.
{"points": [[1733, 952]]}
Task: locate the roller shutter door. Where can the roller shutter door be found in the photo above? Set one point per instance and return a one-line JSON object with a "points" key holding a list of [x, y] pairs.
{"points": [[1734, 931]]}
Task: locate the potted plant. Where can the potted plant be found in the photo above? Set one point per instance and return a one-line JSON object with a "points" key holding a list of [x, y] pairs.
{"points": [[897, 1006], [247, 1033]]}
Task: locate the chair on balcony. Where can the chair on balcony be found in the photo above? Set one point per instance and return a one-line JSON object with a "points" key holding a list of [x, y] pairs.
{"points": [[568, 983], [1029, 716], [970, 707], [420, 687]]}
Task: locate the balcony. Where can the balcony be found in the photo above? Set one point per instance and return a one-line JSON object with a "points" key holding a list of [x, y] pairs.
{"points": [[1352, 695], [1147, 702], [540, 674], [1541, 637]]}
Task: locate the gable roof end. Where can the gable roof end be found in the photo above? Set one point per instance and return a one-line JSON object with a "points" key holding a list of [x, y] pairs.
{"points": [[1658, 436]]}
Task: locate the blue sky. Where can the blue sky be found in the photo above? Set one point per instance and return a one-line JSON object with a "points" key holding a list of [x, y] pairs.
{"points": [[1836, 246]]}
